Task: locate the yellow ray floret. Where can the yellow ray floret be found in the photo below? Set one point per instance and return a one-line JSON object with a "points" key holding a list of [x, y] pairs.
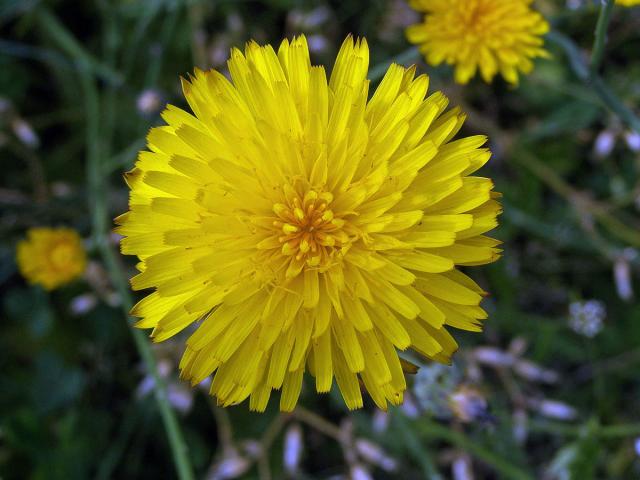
{"points": [[490, 36], [51, 257], [308, 228]]}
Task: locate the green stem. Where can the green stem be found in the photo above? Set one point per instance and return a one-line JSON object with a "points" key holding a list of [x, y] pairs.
{"points": [[125, 158], [614, 104], [100, 229], [65, 41], [611, 431], [99, 216], [100, 224], [155, 65], [445, 433], [377, 71], [581, 202], [579, 66], [601, 35], [415, 448]]}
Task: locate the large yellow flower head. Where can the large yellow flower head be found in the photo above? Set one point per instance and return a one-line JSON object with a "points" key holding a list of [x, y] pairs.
{"points": [[51, 257], [307, 228], [492, 36]]}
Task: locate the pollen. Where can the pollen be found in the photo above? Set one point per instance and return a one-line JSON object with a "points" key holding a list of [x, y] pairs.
{"points": [[309, 231]]}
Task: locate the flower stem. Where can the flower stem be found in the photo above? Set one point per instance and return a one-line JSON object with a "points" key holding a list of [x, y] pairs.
{"points": [[100, 236], [78, 55], [428, 429], [415, 448], [588, 73], [100, 224], [581, 202], [99, 215], [600, 40], [606, 431]]}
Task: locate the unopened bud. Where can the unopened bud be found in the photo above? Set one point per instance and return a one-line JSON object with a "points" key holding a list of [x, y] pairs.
{"points": [[317, 43], [252, 448], [231, 467], [359, 472], [164, 368], [83, 304], [633, 141], [604, 144], [25, 133], [493, 356], [517, 346], [534, 372], [555, 409], [461, 468], [622, 274], [520, 422], [149, 102], [179, 397], [374, 454], [409, 407], [293, 449], [380, 421]]}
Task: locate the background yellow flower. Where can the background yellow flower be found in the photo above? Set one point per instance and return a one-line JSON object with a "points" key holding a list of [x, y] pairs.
{"points": [[51, 257], [628, 3], [307, 227], [490, 36]]}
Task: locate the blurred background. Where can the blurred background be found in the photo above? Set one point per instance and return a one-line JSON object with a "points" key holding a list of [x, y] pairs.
{"points": [[549, 390]]}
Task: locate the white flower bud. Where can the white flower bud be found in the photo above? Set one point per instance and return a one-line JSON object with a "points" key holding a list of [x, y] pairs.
{"points": [[375, 455], [604, 144], [380, 421], [293, 449], [461, 468], [534, 372], [557, 410], [231, 467], [493, 356], [633, 141], [359, 472], [179, 397], [149, 102], [83, 304], [622, 275], [520, 422], [25, 133]]}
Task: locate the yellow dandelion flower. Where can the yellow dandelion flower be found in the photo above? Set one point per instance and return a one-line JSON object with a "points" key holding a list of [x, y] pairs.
{"points": [[304, 227], [51, 257], [493, 36], [628, 3]]}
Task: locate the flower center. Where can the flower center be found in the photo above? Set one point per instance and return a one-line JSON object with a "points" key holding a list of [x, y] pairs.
{"points": [[310, 231], [61, 256], [478, 18]]}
